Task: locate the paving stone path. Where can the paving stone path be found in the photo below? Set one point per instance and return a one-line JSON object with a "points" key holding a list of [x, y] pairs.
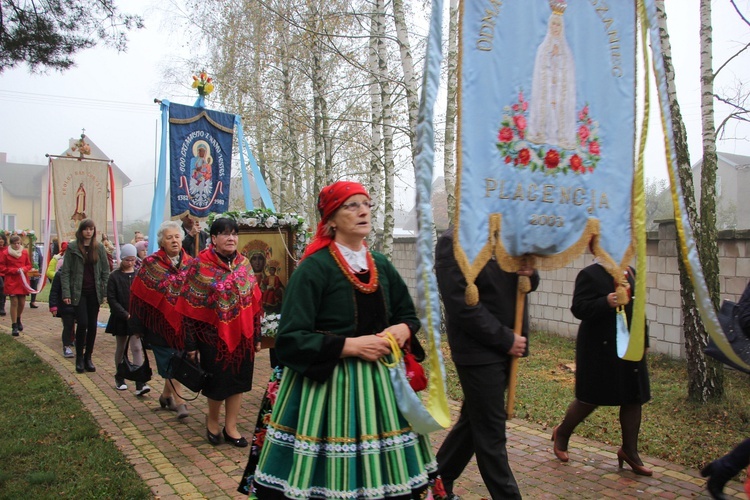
{"points": [[175, 460]]}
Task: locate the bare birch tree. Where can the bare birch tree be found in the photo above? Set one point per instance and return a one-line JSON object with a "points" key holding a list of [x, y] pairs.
{"points": [[410, 79], [388, 133], [702, 383], [449, 157], [376, 116]]}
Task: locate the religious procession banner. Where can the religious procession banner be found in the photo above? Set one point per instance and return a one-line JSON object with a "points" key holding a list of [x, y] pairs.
{"points": [[547, 131], [547, 138], [200, 160], [80, 189]]}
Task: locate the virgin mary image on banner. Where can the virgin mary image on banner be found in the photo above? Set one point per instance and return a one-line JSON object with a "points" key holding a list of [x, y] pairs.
{"points": [[201, 178], [80, 211], [552, 118]]}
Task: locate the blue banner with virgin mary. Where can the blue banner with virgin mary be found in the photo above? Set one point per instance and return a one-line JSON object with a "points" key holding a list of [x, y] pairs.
{"points": [[200, 144], [547, 132]]}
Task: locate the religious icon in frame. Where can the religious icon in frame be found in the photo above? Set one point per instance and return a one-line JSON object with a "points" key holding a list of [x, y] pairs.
{"points": [[269, 252]]}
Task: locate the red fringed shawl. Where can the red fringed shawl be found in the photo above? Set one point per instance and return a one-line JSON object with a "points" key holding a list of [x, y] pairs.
{"points": [[154, 294], [226, 298]]}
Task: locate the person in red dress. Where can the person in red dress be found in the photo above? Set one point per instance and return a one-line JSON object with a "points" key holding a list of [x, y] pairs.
{"points": [[15, 266]]}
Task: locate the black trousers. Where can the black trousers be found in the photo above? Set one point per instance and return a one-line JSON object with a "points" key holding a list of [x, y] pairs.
{"points": [[738, 458], [68, 335], [480, 430], [87, 314]]}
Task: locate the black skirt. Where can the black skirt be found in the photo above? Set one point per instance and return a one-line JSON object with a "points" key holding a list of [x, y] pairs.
{"points": [[224, 381]]}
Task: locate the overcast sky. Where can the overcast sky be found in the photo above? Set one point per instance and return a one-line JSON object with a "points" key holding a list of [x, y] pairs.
{"points": [[111, 95]]}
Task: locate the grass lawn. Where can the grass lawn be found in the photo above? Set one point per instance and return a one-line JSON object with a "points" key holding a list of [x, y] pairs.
{"points": [[672, 429], [51, 446]]}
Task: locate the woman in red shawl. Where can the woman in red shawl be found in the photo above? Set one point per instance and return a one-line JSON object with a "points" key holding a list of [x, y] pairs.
{"points": [[221, 306], [153, 296]]}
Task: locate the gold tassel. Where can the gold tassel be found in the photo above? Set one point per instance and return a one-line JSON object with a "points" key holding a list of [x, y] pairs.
{"points": [[472, 295]]}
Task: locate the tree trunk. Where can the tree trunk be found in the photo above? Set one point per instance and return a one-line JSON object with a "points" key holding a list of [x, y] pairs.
{"points": [[410, 80], [376, 125], [449, 158], [388, 129], [701, 384], [707, 246]]}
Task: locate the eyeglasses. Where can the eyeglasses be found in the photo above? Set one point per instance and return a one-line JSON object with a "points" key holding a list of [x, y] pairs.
{"points": [[228, 234], [353, 206]]}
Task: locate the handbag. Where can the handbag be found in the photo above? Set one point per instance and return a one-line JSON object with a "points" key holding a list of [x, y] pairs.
{"points": [[409, 403], [130, 371], [414, 372], [740, 343], [187, 372]]}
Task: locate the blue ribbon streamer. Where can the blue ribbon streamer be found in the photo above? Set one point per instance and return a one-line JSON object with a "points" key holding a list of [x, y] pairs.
{"points": [[245, 179], [427, 293], [157, 206]]}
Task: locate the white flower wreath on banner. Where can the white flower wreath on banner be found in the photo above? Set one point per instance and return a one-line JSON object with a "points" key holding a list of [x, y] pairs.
{"points": [[269, 325], [262, 217]]}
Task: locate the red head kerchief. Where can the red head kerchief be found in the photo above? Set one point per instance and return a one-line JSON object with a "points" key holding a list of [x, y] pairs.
{"points": [[329, 200]]}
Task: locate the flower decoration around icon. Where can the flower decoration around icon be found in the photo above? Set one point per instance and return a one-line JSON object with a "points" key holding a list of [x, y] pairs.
{"points": [[516, 151], [262, 217], [203, 83], [269, 325]]}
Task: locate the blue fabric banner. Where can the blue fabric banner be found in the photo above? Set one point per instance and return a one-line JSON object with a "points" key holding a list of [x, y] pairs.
{"points": [[547, 131], [200, 144]]}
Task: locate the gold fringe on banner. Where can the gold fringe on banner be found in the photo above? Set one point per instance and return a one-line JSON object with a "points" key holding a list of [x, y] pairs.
{"points": [[202, 114]]}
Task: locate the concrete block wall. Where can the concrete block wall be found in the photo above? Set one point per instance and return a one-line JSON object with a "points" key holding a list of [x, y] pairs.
{"points": [[549, 306]]}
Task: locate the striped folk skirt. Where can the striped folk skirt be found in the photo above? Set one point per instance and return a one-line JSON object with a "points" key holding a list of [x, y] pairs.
{"points": [[343, 438]]}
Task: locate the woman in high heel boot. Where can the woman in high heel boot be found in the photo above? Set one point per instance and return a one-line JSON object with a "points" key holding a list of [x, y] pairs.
{"points": [[602, 377], [84, 275]]}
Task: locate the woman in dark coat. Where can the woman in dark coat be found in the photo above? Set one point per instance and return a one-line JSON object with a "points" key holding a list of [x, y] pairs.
{"points": [[118, 298], [602, 377]]}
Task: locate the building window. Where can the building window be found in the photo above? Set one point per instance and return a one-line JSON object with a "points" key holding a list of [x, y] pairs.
{"points": [[9, 222]]}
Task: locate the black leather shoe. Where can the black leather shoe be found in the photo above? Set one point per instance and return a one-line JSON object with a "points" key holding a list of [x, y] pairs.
{"points": [[79, 365], [214, 439], [239, 442], [33, 306], [88, 365], [717, 477], [19, 325]]}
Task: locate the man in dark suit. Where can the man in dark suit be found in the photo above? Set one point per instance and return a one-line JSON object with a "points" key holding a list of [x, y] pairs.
{"points": [[482, 346]]}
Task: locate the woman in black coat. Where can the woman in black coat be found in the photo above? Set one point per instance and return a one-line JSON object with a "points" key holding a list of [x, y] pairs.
{"points": [[602, 377], [118, 298]]}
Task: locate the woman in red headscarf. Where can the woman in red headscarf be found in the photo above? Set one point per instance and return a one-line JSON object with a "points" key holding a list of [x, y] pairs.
{"points": [[335, 431]]}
